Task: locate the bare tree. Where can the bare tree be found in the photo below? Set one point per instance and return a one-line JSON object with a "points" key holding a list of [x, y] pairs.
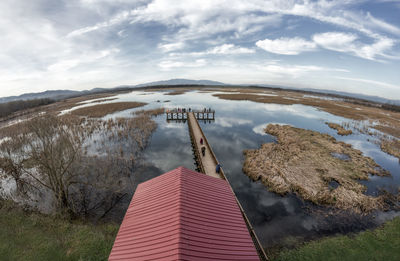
{"points": [[12, 160], [43, 155], [51, 153]]}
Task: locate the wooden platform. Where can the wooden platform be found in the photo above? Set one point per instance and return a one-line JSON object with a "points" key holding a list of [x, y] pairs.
{"points": [[182, 114]]}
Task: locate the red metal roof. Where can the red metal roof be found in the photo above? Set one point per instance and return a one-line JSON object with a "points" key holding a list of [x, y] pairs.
{"points": [[183, 215]]}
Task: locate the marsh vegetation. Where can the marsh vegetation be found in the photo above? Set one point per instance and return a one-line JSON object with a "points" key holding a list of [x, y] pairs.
{"points": [[75, 166], [382, 117], [112, 157], [339, 128], [305, 162], [100, 110]]}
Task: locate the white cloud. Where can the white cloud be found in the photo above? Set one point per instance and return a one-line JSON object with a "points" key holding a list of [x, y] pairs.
{"points": [[66, 64], [122, 33], [380, 24], [199, 18], [202, 19], [372, 82], [336, 41], [170, 64], [217, 50], [115, 20], [346, 42], [229, 49], [171, 46], [286, 46], [295, 71]]}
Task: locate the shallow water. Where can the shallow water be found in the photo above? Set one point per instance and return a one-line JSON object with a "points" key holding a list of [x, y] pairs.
{"points": [[238, 126]]}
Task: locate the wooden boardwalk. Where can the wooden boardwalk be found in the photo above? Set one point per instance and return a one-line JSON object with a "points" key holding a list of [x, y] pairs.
{"points": [[207, 164]]}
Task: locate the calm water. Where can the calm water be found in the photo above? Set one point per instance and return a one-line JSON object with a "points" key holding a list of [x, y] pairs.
{"points": [[239, 126]]}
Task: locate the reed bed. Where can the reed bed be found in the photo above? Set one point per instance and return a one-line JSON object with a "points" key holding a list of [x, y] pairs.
{"points": [[100, 110]]}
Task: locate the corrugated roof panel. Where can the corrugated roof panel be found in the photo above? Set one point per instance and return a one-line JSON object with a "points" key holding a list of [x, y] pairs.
{"points": [[183, 215]]}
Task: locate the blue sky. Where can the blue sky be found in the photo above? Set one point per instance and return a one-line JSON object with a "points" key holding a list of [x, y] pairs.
{"points": [[347, 45]]}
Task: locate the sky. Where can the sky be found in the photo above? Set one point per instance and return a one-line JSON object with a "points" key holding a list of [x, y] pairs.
{"points": [[345, 45]]}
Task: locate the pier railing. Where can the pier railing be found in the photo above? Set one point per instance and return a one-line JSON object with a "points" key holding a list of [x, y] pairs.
{"points": [[182, 114], [196, 149]]}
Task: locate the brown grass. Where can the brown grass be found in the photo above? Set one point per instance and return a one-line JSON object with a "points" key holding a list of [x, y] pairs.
{"points": [[340, 130], [339, 108], [302, 162], [154, 112], [389, 121], [391, 146], [176, 92], [256, 98], [12, 129], [395, 132], [104, 100], [71, 102], [101, 110]]}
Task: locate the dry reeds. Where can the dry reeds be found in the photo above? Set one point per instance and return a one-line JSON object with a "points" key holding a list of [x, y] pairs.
{"points": [[100, 110], [176, 92], [304, 162], [152, 113], [340, 129]]}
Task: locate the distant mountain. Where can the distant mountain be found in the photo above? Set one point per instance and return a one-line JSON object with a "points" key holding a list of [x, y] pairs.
{"points": [[63, 94], [181, 82], [40, 95], [376, 99], [357, 96], [53, 94]]}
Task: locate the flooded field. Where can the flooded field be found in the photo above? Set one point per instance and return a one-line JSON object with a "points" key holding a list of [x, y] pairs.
{"points": [[238, 126]]}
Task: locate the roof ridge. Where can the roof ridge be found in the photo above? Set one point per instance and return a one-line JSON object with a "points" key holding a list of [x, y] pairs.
{"points": [[180, 197]]}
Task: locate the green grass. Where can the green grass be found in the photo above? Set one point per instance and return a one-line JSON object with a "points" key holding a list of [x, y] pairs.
{"points": [[32, 236], [380, 244]]}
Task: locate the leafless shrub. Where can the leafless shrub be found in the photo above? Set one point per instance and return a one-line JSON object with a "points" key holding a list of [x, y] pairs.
{"points": [[85, 163], [43, 156]]}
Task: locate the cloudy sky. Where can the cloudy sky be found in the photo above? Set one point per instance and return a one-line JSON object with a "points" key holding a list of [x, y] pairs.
{"points": [[346, 45]]}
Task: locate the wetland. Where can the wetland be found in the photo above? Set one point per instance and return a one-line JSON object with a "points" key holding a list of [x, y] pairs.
{"points": [[296, 177]]}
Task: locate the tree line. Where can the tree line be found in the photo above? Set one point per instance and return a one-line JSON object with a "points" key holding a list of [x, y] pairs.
{"points": [[391, 107], [10, 107]]}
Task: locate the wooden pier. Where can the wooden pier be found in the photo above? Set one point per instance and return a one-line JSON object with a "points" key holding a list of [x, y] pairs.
{"points": [[207, 165]]}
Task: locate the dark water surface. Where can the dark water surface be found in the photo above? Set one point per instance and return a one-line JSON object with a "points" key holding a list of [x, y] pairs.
{"points": [[239, 126]]}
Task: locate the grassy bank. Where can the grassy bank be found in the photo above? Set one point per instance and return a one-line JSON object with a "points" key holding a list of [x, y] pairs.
{"points": [[31, 236], [380, 244]]}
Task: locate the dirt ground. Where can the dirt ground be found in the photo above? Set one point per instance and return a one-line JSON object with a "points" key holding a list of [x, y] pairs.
{"points": [[315, 166]]}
